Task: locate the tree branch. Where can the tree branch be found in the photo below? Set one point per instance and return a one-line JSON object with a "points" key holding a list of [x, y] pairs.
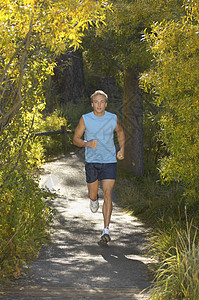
{"points": [[20, 152], [4, 121]]}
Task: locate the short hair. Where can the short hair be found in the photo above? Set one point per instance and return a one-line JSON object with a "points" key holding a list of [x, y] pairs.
{"points": [[99, 92]]}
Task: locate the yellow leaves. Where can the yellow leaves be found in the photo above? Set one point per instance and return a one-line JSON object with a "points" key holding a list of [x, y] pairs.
{"points": [[59, 23], [175, 81], [27, 60], [192, 9]]}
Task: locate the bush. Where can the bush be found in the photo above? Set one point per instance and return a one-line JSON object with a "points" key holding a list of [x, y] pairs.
{"points": [[24, 220], [53, 144], [178, 274], [24, 212], [173, 80], [73, 112], [148, 199], [173, 244]]}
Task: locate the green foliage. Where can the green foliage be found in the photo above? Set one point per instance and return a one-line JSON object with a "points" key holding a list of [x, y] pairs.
{"points": [[32, 33], [24, 220], [52, 144], [118, 45], [148, 199], [18, 148], [174, 81], [178, 272], [73, 112], [173, 241], [153, 148]]}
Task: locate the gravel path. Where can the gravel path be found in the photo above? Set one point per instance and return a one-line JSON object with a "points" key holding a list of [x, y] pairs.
{"points": [[74, 266]]}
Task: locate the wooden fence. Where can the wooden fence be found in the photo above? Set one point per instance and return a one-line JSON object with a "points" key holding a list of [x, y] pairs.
{"points": [[62, 131]]}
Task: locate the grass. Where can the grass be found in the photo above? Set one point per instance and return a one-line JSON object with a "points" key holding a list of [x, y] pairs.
{"points": [[173, 242], [147, 198], [177, 275]]}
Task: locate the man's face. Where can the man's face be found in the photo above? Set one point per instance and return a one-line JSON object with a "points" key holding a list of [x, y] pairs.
{"points": [[99, 104]]}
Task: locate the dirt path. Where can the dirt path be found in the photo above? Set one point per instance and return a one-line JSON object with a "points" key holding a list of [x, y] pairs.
{"points": [[73, 266]]}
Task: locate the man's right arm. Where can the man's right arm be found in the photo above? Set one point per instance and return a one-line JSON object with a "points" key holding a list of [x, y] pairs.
{"points": [[78, 141]]}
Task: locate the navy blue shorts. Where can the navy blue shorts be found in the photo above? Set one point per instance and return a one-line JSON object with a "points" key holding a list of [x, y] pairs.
{"points": [[97, 171]]}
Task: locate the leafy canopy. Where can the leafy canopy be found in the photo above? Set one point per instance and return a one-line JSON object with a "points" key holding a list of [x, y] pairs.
{"points": [[32, 34], [119, 45], [174, 82]]}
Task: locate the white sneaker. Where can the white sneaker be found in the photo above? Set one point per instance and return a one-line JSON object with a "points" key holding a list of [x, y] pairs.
{"points": [[94, 205], [105, 237]]}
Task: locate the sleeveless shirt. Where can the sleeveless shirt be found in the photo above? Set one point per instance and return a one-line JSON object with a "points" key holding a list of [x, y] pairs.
{"points": [[101, 129]]}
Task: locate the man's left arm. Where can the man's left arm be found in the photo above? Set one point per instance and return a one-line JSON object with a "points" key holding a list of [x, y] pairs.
{"points": [[121, 139]]}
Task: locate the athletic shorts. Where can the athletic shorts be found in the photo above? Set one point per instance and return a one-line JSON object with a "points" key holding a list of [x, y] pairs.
{"points": [[99, 171]]}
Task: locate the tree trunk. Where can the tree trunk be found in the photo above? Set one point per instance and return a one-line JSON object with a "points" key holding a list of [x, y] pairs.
{"points": [[133, 124], [69, 77]]}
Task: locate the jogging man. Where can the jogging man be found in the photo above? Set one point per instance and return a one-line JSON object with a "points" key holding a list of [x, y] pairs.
{"points": [[98, 127]]}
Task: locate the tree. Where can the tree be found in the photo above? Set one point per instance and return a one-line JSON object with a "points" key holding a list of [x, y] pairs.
{"points": [[118, 48], [173, 80], [133, 123], [68, 79], [32, 34]]}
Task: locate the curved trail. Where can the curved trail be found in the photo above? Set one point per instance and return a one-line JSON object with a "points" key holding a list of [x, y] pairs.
{"points": [[73, 266]]}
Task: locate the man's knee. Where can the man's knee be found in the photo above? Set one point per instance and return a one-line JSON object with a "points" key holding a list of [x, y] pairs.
{"points": [[93, 196], [93, 190], [107, 193]]}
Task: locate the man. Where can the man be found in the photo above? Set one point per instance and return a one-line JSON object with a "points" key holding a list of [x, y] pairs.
{"points": [[100, 154]]}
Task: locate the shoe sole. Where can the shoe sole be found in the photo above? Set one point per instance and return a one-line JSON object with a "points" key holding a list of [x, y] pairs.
{"points": [[94, 210], [102, 243], [105, 238]]}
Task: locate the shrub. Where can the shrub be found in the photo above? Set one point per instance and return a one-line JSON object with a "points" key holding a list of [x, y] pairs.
{"points": [[173, 80], [73, 112], [177, 276], [52, 144], [24, 221]]}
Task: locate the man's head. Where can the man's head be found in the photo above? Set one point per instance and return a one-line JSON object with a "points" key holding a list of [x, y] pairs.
{"points": [[99, 92], [99, 102]]}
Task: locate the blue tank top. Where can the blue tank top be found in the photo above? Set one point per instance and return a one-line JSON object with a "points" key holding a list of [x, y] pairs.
{"points": [[101, 129]]}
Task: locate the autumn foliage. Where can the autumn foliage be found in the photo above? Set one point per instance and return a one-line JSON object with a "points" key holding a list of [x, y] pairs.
{"points": [[32, 33], [174, 83]]}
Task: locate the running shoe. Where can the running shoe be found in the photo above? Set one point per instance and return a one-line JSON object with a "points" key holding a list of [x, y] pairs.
{"points": [[105, 237], [94, 205]]}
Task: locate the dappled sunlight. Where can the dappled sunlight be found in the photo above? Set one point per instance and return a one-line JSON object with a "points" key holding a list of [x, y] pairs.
{"points": [[73, 258]]}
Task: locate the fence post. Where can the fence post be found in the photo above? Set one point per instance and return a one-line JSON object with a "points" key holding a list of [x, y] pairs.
{"points": [[64, 137]]}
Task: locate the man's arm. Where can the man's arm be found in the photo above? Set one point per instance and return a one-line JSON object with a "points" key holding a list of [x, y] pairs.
{"points": [[78, 141], [121, 139]]}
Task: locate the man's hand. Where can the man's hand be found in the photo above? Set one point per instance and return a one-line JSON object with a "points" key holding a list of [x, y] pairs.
{"points": [[121, 140], [120, 155], [92, 144]]}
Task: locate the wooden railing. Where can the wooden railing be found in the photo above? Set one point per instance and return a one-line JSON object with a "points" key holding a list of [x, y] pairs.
{"points": [[62, 131]]}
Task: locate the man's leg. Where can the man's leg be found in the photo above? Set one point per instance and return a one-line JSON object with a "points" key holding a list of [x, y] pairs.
{"points": [[107, 186], [93, 190]]}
